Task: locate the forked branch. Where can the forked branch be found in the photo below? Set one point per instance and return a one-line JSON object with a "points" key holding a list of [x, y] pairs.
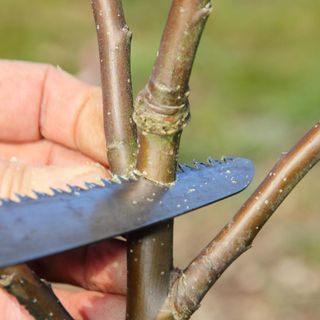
{"points": [[237, 236], [114, 39]]}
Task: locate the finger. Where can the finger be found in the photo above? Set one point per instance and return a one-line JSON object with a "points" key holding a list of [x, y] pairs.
{"points": [[11, 309], [38, 100], [99, 267], [86, 305], [42, 152], [20, 95], [17, 178]]}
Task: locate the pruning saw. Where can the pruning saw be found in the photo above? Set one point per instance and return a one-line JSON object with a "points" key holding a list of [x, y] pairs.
{"points": [[34, 228]]}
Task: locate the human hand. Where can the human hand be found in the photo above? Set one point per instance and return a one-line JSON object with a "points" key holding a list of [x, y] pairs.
{"points": [[51, 135]]}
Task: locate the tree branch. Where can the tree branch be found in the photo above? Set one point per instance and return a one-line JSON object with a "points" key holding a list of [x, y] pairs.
{"points": [[162, 107], [114, 38], [236, 237], [35, 294], [161, 112]]}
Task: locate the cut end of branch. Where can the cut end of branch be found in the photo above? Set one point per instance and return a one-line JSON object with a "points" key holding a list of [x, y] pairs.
{"points": [[6, 280], [33, 293]]}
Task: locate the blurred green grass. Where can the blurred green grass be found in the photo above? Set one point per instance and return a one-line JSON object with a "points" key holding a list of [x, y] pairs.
{"points": [[255, 85]]}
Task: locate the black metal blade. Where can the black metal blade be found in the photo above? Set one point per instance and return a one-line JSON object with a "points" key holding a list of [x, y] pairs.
{"points": [[32, 229]]}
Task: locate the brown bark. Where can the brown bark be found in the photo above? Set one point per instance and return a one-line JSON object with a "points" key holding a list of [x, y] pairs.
{"points": [[35, 294], [237, 236], [161, 112], [114, 39]]}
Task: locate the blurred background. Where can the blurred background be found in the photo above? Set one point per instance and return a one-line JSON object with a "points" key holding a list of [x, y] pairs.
{"points": [[255, 90]]}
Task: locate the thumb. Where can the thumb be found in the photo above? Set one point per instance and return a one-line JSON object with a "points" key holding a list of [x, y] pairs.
{"points": [[11, 308], [19, 178]]}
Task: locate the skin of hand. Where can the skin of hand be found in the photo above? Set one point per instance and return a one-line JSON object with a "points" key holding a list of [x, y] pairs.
{"points": [[51, 135]]}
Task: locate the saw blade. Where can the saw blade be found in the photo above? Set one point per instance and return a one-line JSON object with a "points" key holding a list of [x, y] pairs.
{"points": [[32, 229]]}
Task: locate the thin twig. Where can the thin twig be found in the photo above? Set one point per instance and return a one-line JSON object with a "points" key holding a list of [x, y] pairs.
{"points": [[236, 237], [161, 112], [35, 294], [114, 39]]}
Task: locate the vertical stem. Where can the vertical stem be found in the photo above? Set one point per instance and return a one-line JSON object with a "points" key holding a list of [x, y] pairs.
{"points": [[114, 38], [161, 113], [179, 43], [35, 294], [150, 263]]}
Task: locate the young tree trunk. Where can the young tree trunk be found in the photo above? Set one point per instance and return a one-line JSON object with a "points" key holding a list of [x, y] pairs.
{"points": [[161, 112]]}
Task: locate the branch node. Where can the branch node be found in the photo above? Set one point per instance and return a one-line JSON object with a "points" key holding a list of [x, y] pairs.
{"points": [[152, 116], [202, 14]]}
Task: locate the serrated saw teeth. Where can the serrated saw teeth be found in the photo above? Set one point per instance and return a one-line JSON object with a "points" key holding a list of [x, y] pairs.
{"points": [[210, 160], [181, 167], [72, 190], [200, 165]]}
